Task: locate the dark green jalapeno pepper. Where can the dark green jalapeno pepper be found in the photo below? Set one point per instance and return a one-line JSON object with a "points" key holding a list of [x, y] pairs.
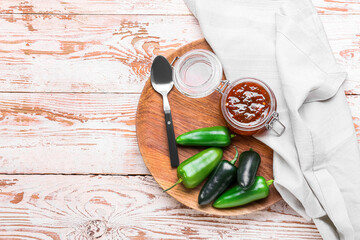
{"points": [[237, 196], [217, 136], [195, 169], [249, 162], [223, 175]]}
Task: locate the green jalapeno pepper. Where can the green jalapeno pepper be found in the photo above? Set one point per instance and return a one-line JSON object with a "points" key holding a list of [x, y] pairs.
{"points": [[223, 175], [249, 162], [217, 136], [237, 196], [195, 169]]}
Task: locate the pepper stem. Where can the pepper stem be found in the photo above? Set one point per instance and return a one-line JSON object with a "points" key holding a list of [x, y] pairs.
{"points": [[179, 181], [232, 135], [236, 157], [269, 182]]}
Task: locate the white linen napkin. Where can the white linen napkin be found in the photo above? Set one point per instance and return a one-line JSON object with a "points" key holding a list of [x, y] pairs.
{"points": [[317, 159]]}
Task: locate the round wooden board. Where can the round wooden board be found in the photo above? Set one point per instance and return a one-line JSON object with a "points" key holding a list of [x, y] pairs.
{"points": [[188, 114]]}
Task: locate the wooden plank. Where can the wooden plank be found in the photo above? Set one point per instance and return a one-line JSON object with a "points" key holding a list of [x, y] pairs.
{"points": [[95, 7], [119, 207], [77, 53], [69, 133], [76, 133], [346, 7], [142, 7], [86, 53]]}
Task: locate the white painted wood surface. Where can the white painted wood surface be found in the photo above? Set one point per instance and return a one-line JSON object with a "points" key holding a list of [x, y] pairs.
{"points": [[62, 207], [142, 7], [70, 77]]}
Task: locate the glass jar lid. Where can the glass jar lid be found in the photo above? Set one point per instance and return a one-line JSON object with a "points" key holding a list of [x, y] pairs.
{"points": [[197, 73]]}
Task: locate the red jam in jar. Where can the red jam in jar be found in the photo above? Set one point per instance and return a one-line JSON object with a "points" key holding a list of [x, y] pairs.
{"points": [[247, 105]]}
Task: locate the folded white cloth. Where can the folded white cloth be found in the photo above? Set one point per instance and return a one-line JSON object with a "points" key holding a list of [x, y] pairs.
{"points": [[317, 159]]}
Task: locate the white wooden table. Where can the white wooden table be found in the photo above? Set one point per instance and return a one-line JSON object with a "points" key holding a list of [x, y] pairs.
{"points": [[71, 73]]}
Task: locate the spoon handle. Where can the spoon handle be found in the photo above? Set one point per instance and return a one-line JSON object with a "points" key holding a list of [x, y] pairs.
{"points": [[174, 158]]}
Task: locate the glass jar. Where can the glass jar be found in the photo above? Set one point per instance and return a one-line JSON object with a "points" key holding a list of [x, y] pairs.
{"points": [[248, 105]]}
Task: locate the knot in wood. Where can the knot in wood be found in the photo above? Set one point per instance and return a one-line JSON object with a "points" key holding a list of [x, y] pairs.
{"points": [[96, 228]]}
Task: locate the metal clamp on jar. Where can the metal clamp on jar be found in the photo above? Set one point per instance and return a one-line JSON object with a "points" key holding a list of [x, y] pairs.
{"points": [[248, 105]]}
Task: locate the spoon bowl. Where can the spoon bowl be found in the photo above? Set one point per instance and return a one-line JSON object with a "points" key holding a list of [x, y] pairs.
{"points": [[161, 75]]}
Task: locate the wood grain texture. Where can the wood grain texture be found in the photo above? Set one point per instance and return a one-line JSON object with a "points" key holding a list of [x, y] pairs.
{"points": [[69, 133], [120, 207], [346, 7], [86, 53], [142, 7], [77, 133], [95, 7], [102, 53]]}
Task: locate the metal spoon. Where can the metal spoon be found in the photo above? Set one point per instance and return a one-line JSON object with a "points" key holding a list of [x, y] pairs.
{"points": [[162, 82]]}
